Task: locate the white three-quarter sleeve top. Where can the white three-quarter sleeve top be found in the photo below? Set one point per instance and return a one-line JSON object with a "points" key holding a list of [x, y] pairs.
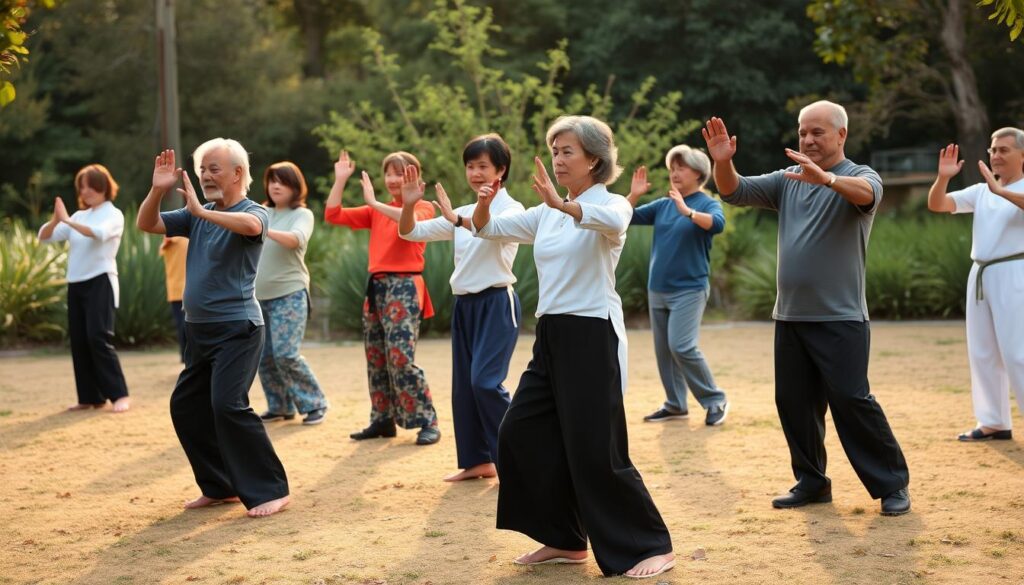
{"points": [[91, 257]]}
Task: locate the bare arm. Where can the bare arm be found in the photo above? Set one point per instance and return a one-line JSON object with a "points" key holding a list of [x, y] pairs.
{"points": [[949, 165], [245, 224], [994, 186], [703, 220], [286, 239], [59, 213], [856, 190]]}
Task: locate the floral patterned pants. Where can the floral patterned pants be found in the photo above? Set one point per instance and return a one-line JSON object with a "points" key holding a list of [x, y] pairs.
{"points": [[391, 325], [287, 381]]}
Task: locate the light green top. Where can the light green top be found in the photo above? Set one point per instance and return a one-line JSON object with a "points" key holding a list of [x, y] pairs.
{"points": [[282, 270]]}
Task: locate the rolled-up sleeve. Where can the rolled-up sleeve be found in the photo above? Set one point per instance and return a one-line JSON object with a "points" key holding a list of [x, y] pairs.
{"points": [[303, 228]]}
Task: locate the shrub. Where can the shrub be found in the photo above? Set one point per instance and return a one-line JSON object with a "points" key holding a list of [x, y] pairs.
{"points": [[33, 304], [143, 316]]}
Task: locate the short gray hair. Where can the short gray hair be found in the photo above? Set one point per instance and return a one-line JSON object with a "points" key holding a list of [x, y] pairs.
{"points": [[239, 157], [838, 114], [1016, 133], [597, 140], [693, 158]]}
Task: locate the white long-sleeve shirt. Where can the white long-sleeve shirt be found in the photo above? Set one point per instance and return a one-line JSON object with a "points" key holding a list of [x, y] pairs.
{"points": [[575, 260], [91, 257], [479, 264]]}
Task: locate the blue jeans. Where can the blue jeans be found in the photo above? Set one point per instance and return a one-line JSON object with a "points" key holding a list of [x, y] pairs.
{"points": [[675, 322]]}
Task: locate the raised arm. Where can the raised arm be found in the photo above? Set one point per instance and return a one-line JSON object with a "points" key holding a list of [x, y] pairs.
{"points": [[245, 224], [432, 230], [705, 221], [60, 213], [994, 186], [722, 149], [165, 177], [370, 197], [343, 169], [639, 186], [856, 190], [949, 165], [508, 227]]}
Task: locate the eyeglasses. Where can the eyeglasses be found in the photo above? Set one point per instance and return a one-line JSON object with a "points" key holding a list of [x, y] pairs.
{"points": [[1000, 150]]}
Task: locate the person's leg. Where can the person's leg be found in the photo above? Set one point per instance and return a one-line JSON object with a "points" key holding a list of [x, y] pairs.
{"points": [[990, 384], [801, 403], [382, 395], [1006, 282], [192, 416], [617, 511], [81, 354], [178, 314], [840, 349], [275, 385], [303, 389], [687, 310], [669, 371], [401, 321], [535, 494], [251, 462], [99, 326], [497, 331], [470, 444]]}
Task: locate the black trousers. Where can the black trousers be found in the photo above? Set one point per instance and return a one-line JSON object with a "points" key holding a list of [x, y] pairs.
{"points": [[224, 439], [98, 375], [563, 454], [178, 314], [821, 365]]}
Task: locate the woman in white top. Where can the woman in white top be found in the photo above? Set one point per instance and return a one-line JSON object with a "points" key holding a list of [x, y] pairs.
{"points": [[94, 235], [995, 314], [486, 314], [563, 459]]}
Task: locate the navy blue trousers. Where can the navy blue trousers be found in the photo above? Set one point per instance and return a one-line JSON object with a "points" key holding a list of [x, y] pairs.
{"points": [[484, 334]]}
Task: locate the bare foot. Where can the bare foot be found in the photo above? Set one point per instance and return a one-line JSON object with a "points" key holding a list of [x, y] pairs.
{"points": [[203, 501], [122, 404], [547, 555], [652, 566], [75, 407], [484, 470], [268, 508]]}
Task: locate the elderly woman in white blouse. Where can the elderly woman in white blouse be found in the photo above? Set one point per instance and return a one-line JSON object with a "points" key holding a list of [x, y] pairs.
{"points": [[94, 234], [563, 461]]}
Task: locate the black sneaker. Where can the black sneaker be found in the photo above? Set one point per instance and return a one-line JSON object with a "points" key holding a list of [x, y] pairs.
{"points": [[428, 436], [376, 430], [896, 503], [716, 414], [273, 416], [315, 417], [663, 414]]}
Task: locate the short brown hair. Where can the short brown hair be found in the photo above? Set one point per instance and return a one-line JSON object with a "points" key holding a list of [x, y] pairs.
{"points": [[400, 159], [99, 179], [288, 174]]}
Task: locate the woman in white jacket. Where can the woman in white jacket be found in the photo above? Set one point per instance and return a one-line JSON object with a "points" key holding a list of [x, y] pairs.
{"points": [[94, 235]]}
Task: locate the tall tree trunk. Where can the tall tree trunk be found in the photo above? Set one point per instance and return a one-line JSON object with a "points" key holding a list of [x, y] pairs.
{"points": [[313, 23], [972, 125]]}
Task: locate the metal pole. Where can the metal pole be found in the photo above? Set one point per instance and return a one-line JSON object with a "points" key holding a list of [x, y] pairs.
{"points": [[167, 63]]}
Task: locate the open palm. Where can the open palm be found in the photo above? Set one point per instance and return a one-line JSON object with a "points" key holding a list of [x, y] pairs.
{"points": [[949, 163], [165, 173], [721, 146]]}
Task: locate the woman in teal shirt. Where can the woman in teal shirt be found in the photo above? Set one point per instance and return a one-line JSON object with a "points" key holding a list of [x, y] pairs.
{"points": [[684, 222]]}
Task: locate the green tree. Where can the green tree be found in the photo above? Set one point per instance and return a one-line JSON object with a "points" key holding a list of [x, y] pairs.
{"points": [[13, 49], [1008, 12]]}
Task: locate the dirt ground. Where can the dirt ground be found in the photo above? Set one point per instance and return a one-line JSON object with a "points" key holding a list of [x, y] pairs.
{"points": [[95, 498]]}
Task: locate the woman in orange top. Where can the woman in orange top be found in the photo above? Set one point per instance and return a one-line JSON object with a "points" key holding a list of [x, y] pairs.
{"points": [[396, 301]]}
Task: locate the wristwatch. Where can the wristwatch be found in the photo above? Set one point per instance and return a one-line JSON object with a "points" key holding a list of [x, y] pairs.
{"points": [[692, 213], [458, 221], [832, 180]]}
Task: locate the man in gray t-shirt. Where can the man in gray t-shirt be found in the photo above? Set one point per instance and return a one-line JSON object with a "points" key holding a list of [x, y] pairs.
{"points": [[826, 205], [225, 441]]}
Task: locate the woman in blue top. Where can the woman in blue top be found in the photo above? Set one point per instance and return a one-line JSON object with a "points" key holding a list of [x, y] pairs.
{"points": [[677, 289]]}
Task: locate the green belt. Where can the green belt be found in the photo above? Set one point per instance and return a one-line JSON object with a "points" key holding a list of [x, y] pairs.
{"points": [[979, 293]]}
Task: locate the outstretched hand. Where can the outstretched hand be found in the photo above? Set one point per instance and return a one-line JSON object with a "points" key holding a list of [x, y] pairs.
{"points": [[369, 196], [721, 146], [443, 203], [544, 187], [810, 172], [343, 167], [949, 161], [189, 194], [165, 174], [639, 186], [412, 186], [990, 178]]}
